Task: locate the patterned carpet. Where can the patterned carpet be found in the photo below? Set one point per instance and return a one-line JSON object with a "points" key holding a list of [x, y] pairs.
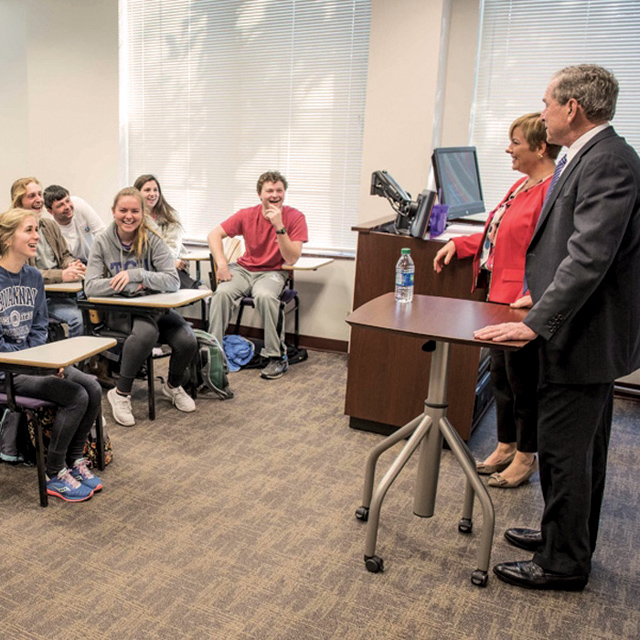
{"points": [[237, 522]]}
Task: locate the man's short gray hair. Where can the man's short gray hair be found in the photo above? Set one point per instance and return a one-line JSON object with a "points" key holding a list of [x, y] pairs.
{"points": [[595, 89]]}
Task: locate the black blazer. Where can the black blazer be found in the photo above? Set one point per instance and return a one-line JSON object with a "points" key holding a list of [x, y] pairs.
{"points": [[583, 267]]}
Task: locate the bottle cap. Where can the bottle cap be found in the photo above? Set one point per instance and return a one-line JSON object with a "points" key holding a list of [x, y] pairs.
{"points": [[405, 251]]}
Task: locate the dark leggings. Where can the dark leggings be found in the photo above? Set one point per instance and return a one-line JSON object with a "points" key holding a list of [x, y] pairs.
{"points": [[169, 328], [514, 381], [78, 397]]}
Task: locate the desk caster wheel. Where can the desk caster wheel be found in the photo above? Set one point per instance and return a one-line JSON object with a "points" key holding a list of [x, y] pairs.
{"points": [[479, 578], [373, 563], [465, 525], [362, 513]]}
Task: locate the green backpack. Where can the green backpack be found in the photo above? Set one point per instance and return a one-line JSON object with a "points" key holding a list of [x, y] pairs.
{"points": [[211, 367]]}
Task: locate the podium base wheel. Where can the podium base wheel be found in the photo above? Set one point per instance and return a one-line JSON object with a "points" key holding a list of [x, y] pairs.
{"points": [[374, 564], [362, 513], [479, 578], [465, 525]]}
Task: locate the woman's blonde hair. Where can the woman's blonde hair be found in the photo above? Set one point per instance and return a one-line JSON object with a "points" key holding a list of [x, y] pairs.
{"points": [[141, 240], [19, 189], [9, 222]]}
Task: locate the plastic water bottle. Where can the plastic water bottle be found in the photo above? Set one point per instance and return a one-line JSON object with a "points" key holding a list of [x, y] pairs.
{"points": [[404, 277]]}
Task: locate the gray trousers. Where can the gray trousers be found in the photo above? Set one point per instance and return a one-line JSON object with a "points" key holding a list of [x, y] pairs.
{"points": [[265, 287]]}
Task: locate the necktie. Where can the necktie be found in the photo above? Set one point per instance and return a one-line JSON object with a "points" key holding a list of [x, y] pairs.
{"points": [[556, 175]]}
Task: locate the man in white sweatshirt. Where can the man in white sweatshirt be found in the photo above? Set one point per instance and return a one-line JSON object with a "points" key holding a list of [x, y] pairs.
{"points": [[77, 219]]}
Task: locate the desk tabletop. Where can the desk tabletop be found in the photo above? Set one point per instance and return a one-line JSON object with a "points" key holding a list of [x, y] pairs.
{"points": [[180, 298], [196, 256], [306, 263], [64, 287], [432, 317], [55, 355]]}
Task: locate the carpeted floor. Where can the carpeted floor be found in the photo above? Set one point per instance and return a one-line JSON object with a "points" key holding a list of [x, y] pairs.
{"points": [[238, 522]]}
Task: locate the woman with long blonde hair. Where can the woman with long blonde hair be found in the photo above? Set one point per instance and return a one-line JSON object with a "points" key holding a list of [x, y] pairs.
{"points": [[128, 258], [23, 324]]}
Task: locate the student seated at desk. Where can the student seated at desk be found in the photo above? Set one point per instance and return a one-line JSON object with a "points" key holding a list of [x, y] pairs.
{"points": [[168, 222], [129, 259], [23, 324], [77, 220], [273, 235], [53, 258]]}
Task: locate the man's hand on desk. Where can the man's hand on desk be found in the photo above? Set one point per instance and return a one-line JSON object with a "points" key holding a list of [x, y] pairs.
{"points": [[443, 257], [506, 331], [74, 272]]}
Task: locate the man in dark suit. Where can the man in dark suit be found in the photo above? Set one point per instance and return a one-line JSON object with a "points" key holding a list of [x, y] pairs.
{"points": [[582, 269]]}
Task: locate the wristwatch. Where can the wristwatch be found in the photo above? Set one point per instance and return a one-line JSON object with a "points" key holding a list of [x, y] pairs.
{"points": [[282, 231]]}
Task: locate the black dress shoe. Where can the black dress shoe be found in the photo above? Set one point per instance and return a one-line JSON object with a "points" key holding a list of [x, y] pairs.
{"points": [[530, 575], [529, 539]]}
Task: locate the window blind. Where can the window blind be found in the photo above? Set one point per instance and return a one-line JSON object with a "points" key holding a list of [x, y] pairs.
{"points": [[214, 93], [522, 44]]}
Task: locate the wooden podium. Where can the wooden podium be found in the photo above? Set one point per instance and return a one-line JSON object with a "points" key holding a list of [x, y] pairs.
{"points": [[386, 383]]}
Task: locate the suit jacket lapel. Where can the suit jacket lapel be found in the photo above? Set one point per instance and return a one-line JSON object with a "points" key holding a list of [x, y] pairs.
{"points": [[571, 167]]}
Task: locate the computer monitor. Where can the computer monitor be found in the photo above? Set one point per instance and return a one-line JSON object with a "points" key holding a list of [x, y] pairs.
{"points": [[457, 179]]}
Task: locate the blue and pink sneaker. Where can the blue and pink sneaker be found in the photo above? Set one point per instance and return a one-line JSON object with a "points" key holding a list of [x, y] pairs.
{"points": [[80, 471], [65, 486]]}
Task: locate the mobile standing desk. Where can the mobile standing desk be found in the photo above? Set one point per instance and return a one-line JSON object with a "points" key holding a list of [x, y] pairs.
{"points": [[440, 321]]}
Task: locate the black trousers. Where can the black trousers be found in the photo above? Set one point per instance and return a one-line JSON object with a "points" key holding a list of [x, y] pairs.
{"points": [[574, 426], [514, 381]]}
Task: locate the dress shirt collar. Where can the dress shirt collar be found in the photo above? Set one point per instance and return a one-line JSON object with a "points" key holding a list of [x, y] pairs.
{"points": [[573, 150]]}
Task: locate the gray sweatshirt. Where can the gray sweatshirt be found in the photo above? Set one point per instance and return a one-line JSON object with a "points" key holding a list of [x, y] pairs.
{"points": [[155, 270]]}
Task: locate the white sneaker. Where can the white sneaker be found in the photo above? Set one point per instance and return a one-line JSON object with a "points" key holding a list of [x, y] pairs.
{"points": [[121, 407], [180, 398]]}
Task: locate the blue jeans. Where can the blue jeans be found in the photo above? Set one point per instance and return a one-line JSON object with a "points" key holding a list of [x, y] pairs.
{"points": [[66, 310]]}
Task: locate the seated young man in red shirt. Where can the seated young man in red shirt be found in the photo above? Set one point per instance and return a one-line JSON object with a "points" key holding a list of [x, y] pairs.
{"points": [[273, 235]]}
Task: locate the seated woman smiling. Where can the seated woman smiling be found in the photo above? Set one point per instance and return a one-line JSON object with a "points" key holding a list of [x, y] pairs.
{"points": [[128, 258], [23, 324]]}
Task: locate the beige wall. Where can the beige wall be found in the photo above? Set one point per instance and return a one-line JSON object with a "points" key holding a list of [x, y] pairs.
{"points": [[401, 96], [59, 107], [59, 112]]}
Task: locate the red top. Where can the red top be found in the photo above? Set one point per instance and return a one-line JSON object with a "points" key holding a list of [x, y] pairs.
{"points": [[262, 252], [514, 235]]}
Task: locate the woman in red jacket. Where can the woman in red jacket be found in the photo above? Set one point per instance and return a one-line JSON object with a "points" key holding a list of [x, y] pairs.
{"points": [[498, 261]]}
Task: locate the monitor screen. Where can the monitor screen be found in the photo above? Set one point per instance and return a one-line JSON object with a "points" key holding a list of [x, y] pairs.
{"points": [[458, 180]]}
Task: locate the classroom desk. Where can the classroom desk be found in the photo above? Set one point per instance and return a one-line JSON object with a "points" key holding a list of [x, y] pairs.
{"points": [[144, 305], [64, 288], [308, 263], [304, 263], [43, 360], [197, 257], [440, 321], [147, 303]]}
